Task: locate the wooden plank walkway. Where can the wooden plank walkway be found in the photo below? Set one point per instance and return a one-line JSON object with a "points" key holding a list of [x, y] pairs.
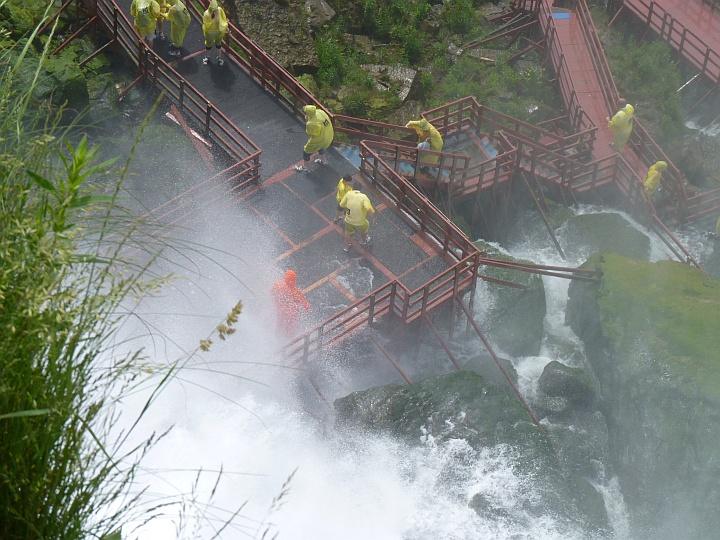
{"points": [[297, 209]]}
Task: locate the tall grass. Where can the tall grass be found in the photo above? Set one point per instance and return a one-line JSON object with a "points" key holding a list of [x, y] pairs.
{"points": [[65, 283], [58, 305]]}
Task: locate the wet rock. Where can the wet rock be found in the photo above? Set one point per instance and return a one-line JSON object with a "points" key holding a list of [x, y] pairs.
{"points": [[281, 30], [464, 406], [513, 318], [484, 366], [569, 383], [652, 341], [607, 232], [556, 407], [398, 79], [318, 12]]}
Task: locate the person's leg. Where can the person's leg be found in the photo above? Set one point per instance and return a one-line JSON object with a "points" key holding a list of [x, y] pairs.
{"points": [[364, 233], [348, 233], [159, 29], [320, 160], [306, 158], [218, 47], [206, 58]]}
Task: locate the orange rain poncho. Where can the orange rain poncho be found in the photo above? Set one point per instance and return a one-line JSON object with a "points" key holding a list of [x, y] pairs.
{"points": [[289, 301]]}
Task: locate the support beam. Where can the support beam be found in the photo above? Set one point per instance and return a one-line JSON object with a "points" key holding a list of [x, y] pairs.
{"points": [[490, 350], [442, 341], [75, 34], [94, 54], [544, 217], [394, 362]]}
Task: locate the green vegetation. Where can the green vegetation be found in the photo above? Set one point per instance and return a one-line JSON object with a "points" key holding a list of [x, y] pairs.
{"points": [[671, 308], [58, 297], [648, 75], [418, 34], [521, 93], [66, 278]]}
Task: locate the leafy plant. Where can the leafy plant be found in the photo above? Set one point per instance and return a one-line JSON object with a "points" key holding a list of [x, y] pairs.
{"points": [[459, 16]]}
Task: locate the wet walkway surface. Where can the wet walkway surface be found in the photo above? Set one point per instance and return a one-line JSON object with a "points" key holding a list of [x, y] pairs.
{"points": [[300, 212], [297, 210]]}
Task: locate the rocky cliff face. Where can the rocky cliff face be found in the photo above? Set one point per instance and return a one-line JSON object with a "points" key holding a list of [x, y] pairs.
{"points": [[652, 337]]}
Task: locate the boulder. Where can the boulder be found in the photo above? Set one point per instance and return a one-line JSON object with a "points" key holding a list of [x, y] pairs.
{"points": [[512, 318], [604, 232], [398, 79], [652, 339], [561, 381], [464, 406], [318, 12]]}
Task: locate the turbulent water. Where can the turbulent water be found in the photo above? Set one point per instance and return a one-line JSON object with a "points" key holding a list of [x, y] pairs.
{"points": [[286, 469]]}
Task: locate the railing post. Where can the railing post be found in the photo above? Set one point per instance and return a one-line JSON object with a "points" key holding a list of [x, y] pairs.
{"points": [[650, 13], [371, 310], [115, 23], [208, 112], [424, 300], [182, 93], [306, 347]]}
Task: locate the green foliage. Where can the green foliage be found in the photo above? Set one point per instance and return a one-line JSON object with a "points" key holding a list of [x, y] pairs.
{"points": [[331, 60], [60, 293], [499, 86], [22, 16], [459, 16], [424, 85], [648, 76]]}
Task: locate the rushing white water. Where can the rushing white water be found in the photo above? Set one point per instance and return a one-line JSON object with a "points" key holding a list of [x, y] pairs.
{"points": [[286, 468]]}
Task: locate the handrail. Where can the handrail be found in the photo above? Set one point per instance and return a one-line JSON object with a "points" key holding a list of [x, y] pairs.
{"points": [[578, 117], [641, 141]]}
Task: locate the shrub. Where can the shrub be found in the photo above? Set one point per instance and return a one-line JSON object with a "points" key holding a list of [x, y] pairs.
{"points": [[331, 60], [459, 16], [648, 77]]}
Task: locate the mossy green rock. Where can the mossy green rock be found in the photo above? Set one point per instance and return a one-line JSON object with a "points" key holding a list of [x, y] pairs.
{"points": [[463, 405], [606, 232], [652, 337], [514, 318]]}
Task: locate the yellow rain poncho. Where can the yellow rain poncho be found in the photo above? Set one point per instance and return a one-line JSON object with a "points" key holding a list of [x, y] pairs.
{"points": [[145, 14], [653, 177], [425, 130], [179, 18], [214, 24], [319, 129], [164, 8], [621, 126]]}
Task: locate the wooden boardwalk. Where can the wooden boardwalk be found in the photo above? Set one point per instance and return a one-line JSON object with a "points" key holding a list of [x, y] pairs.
{"points": [[297, 209]]}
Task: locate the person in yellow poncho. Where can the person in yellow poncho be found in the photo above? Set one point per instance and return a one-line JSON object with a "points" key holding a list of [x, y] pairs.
{"points": [[164, 8], [179, 18], [426, 132], [214, 27], [357, 206], [344, 185], [653, 177], [320, 134], [621, 126], [145, 14]]}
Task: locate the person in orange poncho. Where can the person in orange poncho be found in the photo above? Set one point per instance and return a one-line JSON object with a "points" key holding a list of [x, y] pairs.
{"points": [[289, 301]]}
